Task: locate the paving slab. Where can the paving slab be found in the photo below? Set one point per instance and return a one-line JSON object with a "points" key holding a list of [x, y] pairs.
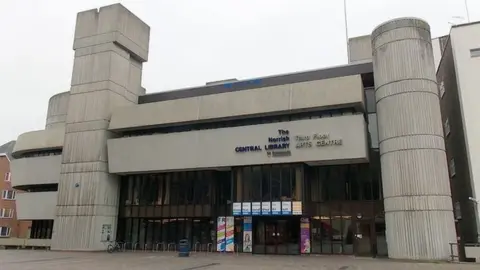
{"points": [[51, 260]]}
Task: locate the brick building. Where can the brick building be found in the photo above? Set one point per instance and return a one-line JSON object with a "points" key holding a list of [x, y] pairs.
{"points": [[9, 226]]}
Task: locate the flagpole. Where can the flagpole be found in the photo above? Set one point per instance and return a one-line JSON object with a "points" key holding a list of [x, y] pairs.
{"points": [[346, 27], [466, 8]]}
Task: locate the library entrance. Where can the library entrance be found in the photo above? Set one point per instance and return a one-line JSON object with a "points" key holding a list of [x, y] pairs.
{"points": [[276, 235]]}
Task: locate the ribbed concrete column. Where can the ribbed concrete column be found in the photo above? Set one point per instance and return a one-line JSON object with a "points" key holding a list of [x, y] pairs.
{"points": [[110, 46], [57, 110], [418, 205]]}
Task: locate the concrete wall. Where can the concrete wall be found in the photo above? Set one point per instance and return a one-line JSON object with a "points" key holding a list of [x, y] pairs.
{"points": [[464, 39], [417, 200], [36, 170], [36, 205], [57, 110], [39, 140], [110, 46], [341, 91], [360, 49], [216, 147]]}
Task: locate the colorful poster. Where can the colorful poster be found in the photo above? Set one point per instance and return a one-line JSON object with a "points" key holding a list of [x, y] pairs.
{"points": [[256, 208], [247, 234], [286, 208], [304, 235], [297, 208], [265, 208], [246, 209], [237, 209], [230, 245], [276, 208], [221, 234]]}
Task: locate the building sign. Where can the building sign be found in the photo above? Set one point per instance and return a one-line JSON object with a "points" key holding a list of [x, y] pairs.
{"points": [[297, 208], [247, 234], [316, 140], [279, 145], [106, 235], [246, 209], [286, 208], [221, 225], [276, 146], [256, 208], [266, 211], [304, 236], [237, 209]]}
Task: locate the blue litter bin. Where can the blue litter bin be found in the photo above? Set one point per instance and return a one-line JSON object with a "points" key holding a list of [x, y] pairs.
{"points": [[183, 248]]}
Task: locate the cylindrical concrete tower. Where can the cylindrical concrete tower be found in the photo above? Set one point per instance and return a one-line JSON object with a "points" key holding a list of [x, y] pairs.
{"points": [[417, 199], [57, 110]]}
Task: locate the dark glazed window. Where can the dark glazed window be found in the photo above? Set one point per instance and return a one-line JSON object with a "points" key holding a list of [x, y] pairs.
{"points": [[370, 100]]}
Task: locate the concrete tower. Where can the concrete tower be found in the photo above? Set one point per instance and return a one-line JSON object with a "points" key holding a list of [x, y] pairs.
{"points": [[110, 46], [418, 204]]}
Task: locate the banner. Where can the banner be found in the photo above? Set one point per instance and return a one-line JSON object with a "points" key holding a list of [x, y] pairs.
{"points": [[304, 235], [247, 235], [221, 234], [230, 245]]}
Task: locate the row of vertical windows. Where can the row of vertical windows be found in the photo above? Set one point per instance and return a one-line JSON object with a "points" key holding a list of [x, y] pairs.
{"points": [[41, 229]]}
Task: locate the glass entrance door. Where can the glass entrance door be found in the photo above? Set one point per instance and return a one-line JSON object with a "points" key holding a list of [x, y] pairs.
{"points": [[277, 236]]}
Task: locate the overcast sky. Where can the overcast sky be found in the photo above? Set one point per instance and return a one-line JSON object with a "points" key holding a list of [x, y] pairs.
{"points": [[191, 42]]}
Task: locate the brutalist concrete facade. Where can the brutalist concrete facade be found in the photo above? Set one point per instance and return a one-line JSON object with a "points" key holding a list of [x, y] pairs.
{"points": [[110, 46], [417, 199]]}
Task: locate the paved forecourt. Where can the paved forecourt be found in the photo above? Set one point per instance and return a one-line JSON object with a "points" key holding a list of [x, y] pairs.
{"points": [[40, 260]]}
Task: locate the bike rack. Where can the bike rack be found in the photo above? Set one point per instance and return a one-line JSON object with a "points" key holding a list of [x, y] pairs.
{"points": [[134, 246], [209, 248], [162, 244], [197, 244], [171, 245], [125, 246], [145, 246], [235, 249]]}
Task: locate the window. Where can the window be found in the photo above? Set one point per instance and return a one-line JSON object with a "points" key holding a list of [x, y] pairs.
{"points": [[6, 213], [441, 88], [475, 52], [4, 231], [8, 195], [7, 177], [452, 167], [446, 127]]}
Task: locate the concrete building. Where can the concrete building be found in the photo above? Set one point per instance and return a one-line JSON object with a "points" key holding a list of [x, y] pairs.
{"points": [[343, 160], [10, 227], [458, 82]]}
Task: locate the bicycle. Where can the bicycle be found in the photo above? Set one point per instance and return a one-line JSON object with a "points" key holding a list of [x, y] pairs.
{"points": [[114, 247]]}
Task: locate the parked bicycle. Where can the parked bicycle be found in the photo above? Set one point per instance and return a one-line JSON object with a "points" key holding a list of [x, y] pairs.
{"points": [[114, 247]]}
